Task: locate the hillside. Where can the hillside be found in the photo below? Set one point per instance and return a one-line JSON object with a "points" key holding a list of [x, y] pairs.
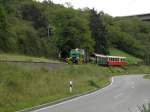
{"points": [[44, 29], [130, 58]]}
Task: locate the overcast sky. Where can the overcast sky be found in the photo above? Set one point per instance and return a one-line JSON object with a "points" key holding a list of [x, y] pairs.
{"points": [[112, 7]]}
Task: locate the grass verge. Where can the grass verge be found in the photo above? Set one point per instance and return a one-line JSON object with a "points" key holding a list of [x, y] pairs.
{"points": [[23, 87], [147, 76]]}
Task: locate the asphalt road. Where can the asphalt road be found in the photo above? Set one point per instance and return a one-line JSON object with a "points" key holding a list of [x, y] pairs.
{"points": [[125, 94]]}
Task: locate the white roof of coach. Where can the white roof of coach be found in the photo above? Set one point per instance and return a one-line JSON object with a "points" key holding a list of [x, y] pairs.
{"points": [[106, 56]]}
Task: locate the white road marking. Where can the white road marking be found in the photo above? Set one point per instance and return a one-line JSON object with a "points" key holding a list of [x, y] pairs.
{"points": [[133, 87], [119, 95]]}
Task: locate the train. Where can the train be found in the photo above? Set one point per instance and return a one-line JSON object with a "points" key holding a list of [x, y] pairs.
{"points": [[80, 56]]}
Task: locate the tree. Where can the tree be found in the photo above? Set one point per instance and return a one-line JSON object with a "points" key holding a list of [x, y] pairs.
{"points": [[33, 12], [99, 32], [72, 31], [4, 39]]}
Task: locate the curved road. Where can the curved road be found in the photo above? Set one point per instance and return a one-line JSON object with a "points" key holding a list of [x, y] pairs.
{"points": [[125, 94]]}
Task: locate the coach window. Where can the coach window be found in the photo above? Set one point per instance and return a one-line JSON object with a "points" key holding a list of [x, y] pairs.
{"points": [[109, 59], [112, 59], [117, 59], [120, 59]]}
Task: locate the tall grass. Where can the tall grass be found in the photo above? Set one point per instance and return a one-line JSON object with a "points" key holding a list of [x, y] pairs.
{"points": [[22, 87]]}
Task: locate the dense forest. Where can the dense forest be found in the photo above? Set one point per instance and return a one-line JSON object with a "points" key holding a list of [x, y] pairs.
{"points": [[46, 29]]}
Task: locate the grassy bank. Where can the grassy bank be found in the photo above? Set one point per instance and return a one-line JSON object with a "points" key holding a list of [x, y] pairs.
{"points": [[23, 87], [15, 57], [147, 76], [131, 59]]}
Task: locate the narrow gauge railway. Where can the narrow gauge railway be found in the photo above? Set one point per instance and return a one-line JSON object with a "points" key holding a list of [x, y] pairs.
{"points": [[80, 56]]}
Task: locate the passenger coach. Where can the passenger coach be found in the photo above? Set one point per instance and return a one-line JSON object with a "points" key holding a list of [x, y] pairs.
{"points": [[110, 60]]}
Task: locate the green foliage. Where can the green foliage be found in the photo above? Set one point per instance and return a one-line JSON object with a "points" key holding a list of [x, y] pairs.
{"points": [[126, 34], [46, 29], [147, 59], [28, 28], [33, 12], [4, 39], [29, 23], [72, 32], [99, 32]]}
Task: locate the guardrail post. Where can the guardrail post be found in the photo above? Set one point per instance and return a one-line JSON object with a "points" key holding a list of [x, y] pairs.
{"points": [[70, 86]]}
